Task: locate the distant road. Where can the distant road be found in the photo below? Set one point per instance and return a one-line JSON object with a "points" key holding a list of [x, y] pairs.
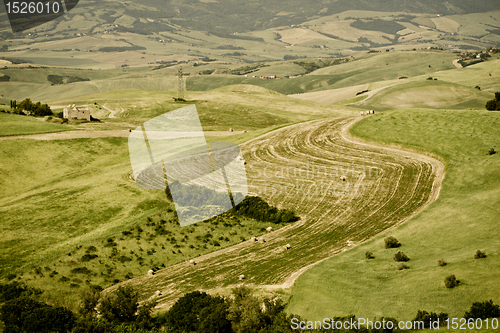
{"points": [[456, 63]]}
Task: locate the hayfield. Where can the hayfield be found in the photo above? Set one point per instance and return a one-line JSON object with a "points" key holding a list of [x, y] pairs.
{"points": [[302, 167], [461, 221]]}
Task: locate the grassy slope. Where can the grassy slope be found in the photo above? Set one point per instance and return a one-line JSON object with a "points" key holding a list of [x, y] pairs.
{"points": [[462, 220], [60, 197], [428, 94], [366, 68], [11, 124], [241, 107]]}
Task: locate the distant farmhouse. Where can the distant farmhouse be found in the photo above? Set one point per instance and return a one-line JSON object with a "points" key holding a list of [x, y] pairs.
{"points": [[76, 112]]}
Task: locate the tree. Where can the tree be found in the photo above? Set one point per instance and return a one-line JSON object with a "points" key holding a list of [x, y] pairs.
{"points": [[119, 306], [144, 312], [195, 310], [450, 281], [491, 105], [427, 317], [483, 310], [214, 319], [14, 312], [89, 300], [401, 256], [49, 319], [494, 104], [480, 254], [245, 312], [391, 242]]}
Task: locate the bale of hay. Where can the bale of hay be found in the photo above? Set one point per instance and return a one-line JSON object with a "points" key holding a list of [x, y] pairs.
{"points": [[269, 229], [230, 129], [192, 262], [254, 239], [343, 178], [241, 277], [362, 113], [151, 272], [157, 293], [288, 247]]}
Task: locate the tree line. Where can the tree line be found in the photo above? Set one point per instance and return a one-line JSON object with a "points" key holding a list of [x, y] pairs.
{"points": [[37, 109], [119, 311]]}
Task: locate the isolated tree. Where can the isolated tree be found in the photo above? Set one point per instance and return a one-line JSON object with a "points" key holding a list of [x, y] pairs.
{"points": [[450, 281], [480, 254], [494, 104], [401, 256], [391, 242]]}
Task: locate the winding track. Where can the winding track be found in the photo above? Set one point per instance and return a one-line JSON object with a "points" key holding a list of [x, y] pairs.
{"points": [[383, 188]]}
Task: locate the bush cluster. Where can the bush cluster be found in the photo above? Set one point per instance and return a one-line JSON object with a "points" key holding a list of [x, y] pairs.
{"points": [[401, 256], [391, 242], [494, 104], [479, 254], [450, 281], [256, 208]]}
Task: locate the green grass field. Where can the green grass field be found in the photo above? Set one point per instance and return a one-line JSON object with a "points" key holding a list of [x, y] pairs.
{"points": [[62, 197], [428, 94], [461, 221], [12, 124]]}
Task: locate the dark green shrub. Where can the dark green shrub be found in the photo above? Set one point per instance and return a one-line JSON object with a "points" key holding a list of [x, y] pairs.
{"points": [[450, 281], [479, 254], [403, 266], [124, 259], [64, 279], [81, 270], [120, 305], [369, 255], [441, 262], [492, 151], [483, 310], [91, 248], [401, 256], [427, 318], [88, 257], [391, 242]]}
